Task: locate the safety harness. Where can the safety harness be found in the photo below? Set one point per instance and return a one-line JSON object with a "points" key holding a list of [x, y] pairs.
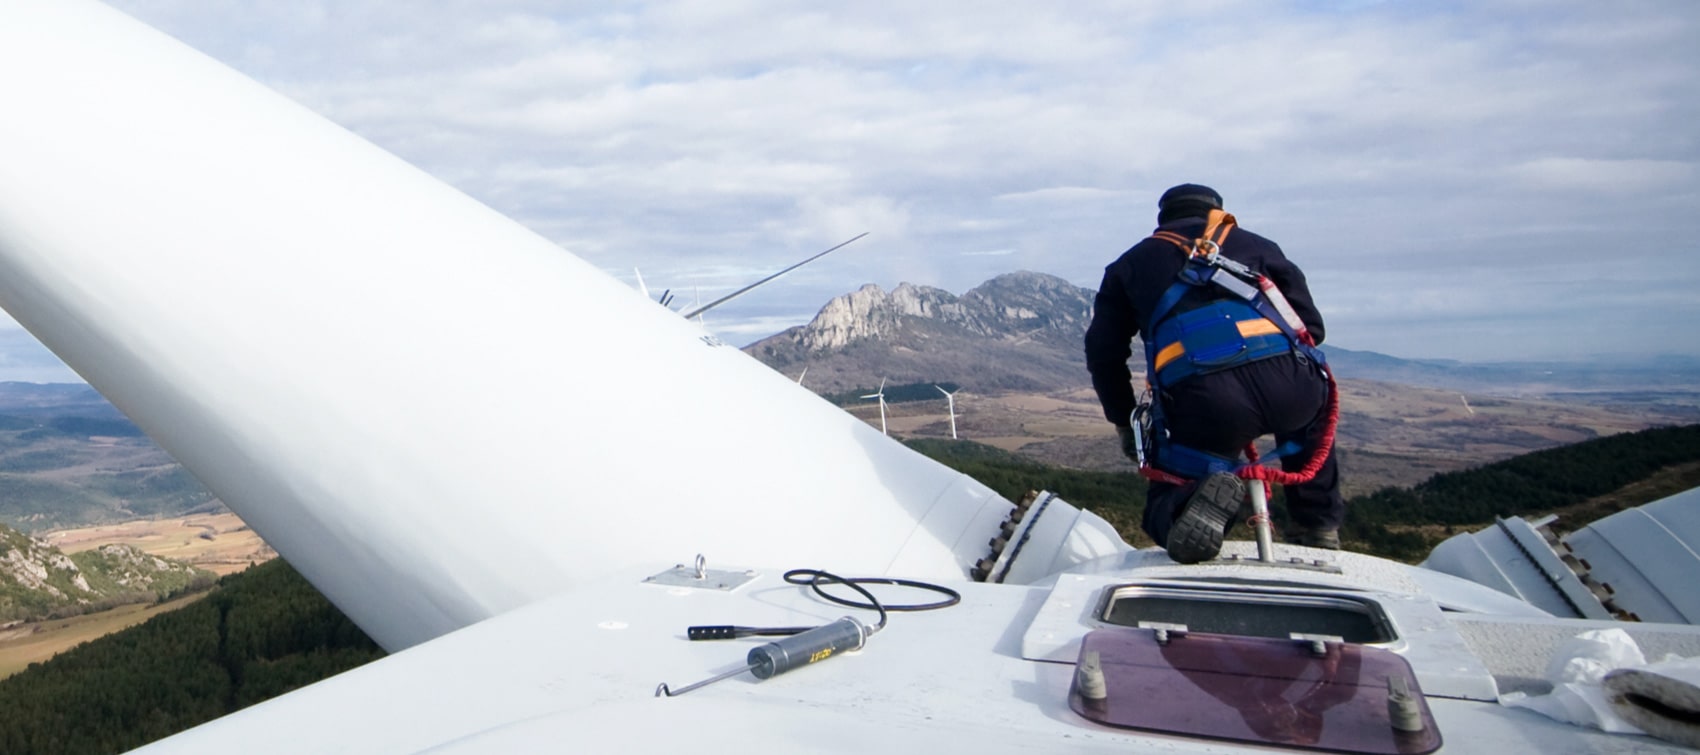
{"points": [[1255, 323]]}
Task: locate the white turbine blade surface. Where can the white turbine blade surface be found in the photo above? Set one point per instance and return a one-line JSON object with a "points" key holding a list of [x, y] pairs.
{"points": [[397, 387]]}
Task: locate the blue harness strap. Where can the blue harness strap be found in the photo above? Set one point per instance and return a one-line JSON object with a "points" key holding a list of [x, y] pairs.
{"points": [[1192, 463]]}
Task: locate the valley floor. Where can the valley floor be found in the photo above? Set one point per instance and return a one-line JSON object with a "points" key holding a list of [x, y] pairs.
{"points": [[219, 543], [37, 641], [1390, 435]]}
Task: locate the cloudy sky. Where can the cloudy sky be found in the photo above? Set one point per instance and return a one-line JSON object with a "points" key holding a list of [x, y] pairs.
{"points": [[1476, 180]]}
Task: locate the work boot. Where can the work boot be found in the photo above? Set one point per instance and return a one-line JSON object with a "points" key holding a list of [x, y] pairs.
{"points": [[1314, 538], [1197, 534]]}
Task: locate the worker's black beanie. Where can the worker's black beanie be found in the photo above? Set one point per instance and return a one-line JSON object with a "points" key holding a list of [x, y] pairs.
{"points": [[1186, 201]]}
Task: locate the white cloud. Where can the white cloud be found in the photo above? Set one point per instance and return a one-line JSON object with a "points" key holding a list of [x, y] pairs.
{"points": [[882, 218], [1598, 176], [1069, 194]]}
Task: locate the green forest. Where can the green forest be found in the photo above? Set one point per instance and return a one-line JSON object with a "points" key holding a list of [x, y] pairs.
{"points": [[267, 631], [260, 634], [1118, 497], [1533, 484]]}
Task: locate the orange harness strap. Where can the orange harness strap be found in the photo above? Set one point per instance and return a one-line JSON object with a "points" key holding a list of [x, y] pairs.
{"points": [[1217, 226]]}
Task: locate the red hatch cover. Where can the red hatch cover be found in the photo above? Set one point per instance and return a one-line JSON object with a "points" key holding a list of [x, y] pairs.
{"points": [[1253, 689]]}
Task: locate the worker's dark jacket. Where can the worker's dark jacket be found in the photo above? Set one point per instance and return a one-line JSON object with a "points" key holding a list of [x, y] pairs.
{"points": [[1135, 281]]}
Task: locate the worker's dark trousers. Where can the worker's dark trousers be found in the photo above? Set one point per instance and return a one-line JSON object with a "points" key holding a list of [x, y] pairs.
{"points": [[1223, 412]]}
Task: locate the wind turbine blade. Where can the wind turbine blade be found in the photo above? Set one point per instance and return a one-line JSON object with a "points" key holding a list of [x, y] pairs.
{"points": [[141, 170], [741, 291]]}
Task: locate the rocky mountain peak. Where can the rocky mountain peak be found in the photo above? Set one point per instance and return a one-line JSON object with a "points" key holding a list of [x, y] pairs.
{"points": [[869, 313], [1008, 305], [35, 565], [1021, 302], [931, 334]]}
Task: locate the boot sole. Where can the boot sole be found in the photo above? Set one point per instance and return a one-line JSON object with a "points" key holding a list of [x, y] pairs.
{"points": [[1197, 535]]}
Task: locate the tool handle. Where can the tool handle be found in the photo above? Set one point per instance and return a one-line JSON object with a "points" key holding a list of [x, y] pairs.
{"points": [[813, 646]]}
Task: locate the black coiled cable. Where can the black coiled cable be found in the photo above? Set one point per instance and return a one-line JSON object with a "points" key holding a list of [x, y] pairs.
{"points": [[815, 579]]}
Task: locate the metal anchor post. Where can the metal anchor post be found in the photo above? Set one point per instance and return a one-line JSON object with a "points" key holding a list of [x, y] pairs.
{"points": [[1260, 522]]}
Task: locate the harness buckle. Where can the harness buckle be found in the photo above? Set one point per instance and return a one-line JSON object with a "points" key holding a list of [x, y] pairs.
{"points": [[1205, 248]]}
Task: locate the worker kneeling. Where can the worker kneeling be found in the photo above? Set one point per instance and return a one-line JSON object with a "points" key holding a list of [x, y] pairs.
{"points": [[1230, 330]]}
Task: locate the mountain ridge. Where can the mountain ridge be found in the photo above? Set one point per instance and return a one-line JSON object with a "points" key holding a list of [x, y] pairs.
{"points": [[1023, 331]]}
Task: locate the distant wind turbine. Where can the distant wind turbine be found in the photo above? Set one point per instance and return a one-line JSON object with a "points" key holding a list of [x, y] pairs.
{"points": [[880, 394], [666, 298], [950, 399]]}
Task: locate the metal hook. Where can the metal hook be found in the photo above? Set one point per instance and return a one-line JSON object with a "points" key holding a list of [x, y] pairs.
{"points": [[702, 564], [663, 690], [1206, 248]]}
